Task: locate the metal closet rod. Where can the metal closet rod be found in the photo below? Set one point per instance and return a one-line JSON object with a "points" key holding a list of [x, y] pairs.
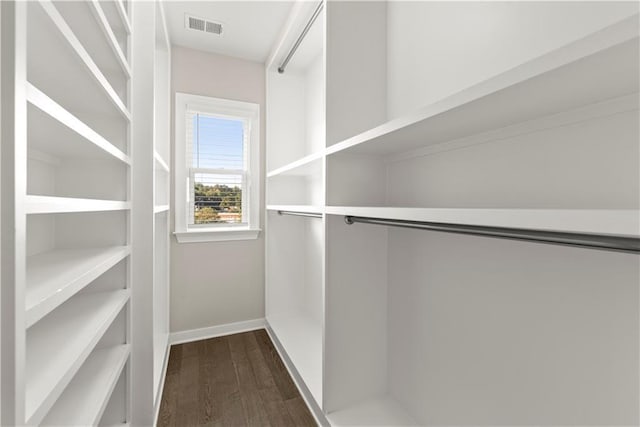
{"points": [[296, 213], [592, 241], [301, 37]]}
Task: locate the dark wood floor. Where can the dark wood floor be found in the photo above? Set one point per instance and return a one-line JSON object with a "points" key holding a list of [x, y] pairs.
{"points": [[237, 380]]}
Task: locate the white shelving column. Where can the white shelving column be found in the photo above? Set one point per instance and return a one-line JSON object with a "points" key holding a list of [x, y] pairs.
{"points": [[66, 245], [161, 155], [150, 224], [295, 181]]}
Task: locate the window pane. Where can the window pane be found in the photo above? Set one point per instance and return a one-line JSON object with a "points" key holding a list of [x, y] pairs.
{"points": [[218, 143], [217, 199]]}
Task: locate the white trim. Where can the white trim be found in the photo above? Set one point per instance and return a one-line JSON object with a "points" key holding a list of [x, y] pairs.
{"points": [[216, 331], [219, 107], [219, 235]]}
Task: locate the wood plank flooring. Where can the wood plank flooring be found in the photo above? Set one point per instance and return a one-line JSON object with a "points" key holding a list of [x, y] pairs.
{"points": [[237, 380]]}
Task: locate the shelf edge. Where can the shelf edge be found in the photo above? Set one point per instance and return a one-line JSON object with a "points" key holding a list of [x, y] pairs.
{"points": [[50, 204]]}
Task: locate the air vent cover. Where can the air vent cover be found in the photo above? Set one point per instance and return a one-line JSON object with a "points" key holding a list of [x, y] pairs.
{"points": [[199, 24]]}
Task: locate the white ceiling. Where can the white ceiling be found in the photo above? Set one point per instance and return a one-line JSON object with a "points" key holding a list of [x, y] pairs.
{"points": [[250, 28]]}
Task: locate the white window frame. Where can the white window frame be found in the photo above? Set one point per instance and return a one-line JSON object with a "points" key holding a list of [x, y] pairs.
{"points": [[251, 201]]}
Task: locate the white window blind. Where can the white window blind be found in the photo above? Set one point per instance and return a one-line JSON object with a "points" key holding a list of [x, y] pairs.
{"points": [[217, 169]]}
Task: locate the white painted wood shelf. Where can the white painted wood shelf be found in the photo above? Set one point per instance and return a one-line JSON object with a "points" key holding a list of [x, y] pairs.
{"points": [[51, 108], [84, 400], [382, 411], [58, 345], [308, 165], [111, 38], [160, 208], [122, 12], [89, 71], [161, 162], [610, 222], [605, 62], [49, 204], [54, 277]]}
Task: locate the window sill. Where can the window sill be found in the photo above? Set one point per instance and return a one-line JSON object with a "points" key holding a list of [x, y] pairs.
{"points": [[200, 236]]}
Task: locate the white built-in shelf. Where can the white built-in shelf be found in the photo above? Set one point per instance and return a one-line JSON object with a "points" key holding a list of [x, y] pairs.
{"points": [[302, 339], [85, 398], [124, 16], [160, 208], [47, 204], [621, 223], [380, 411], [306, 166], [111, 38], [160, 161], [54, 277], [38, 64], [62, 116], [297, 208], [58, 345], [596, 68]]}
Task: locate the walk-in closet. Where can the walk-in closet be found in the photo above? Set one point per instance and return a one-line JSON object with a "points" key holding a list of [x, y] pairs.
{"points": [[334, 212]]}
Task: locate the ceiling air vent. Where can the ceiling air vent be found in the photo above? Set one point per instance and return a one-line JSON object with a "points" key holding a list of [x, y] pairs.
{"points": [[199, 24]]}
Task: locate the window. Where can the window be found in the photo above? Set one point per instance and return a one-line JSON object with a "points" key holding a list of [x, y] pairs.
{"points": [[217, 169]]}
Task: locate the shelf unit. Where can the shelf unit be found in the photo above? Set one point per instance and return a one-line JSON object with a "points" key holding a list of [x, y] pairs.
{"points": [[409, 327], [68, 233]]}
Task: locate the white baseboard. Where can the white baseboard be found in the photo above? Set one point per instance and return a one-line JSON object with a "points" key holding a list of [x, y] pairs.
{"points": [[216, 331]]}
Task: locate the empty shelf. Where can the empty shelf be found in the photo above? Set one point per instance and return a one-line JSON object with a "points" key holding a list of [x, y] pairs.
{"points": [[86, 397], [72, 42], [160, 162], [48, 204], [606, 62], [380, 411], [54, 277], [111, 38], [64, 117], [308, 165], [160, 208], [58, 346], [301, 338]]}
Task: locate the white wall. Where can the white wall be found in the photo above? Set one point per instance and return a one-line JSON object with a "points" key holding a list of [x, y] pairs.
{"points": [[435, 49], [219, 282]]}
